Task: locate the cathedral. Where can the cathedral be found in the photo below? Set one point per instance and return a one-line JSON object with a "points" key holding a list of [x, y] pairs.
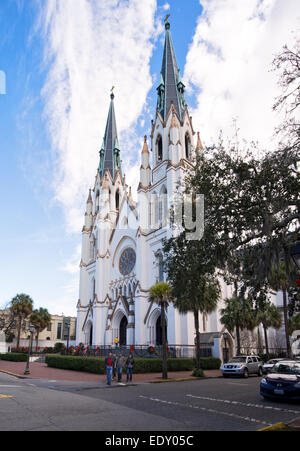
{"points": [[122, 239]]}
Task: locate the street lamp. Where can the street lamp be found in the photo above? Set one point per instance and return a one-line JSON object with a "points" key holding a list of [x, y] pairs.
{"points": [[68, 337], [225, 336], [31, 330]]}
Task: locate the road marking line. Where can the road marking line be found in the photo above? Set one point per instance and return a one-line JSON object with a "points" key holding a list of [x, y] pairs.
{"points": [[205, 409], [10, 386], [257, 406]]}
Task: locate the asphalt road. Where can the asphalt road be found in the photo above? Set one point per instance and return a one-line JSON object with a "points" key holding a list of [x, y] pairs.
{"points": [[205, 405]]}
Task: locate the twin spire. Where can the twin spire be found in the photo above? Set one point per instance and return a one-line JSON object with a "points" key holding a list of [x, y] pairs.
{"points": [[170, 91], [110, 150]]}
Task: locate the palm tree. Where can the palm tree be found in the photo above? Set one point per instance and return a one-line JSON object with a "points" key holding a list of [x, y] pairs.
{"points": [[237, 315], [40, 319], [294, 323], [269, 316], [160, 293], [279, 281], [199, 295], [21, 307]]}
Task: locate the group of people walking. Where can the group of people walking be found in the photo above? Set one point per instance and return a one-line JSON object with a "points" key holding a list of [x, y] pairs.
{"points": [[114, 367]]}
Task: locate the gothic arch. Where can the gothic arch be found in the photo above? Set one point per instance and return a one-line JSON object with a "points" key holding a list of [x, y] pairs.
{"points": [[117, 199], [152, 326], [119, 322], [118, 248], [187, 146], [163, 205], [159, 149], [88, 330]]}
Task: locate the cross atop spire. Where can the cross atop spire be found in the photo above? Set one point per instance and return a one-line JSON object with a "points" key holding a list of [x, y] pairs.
{"points": [[171, 88], [110, 152]]}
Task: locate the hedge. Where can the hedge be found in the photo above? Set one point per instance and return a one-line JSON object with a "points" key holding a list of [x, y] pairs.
{"points": [[210, 363], [96, 365], [14, 357]]}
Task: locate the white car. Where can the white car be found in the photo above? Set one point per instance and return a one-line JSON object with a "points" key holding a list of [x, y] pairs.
{"points": [[269, 365], [243, 366]]}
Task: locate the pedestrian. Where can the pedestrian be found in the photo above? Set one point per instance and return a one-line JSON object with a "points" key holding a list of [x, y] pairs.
{"points": [[108, 367], [120, 365], [129, 367], [114, 367]]}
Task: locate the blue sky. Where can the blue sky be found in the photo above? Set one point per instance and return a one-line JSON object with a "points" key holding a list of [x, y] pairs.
{"points": [[60, 62]]}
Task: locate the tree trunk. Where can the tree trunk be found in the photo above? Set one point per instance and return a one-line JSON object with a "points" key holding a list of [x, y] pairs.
{"points": [[266, 341], [198, 351], [37, 340], [238, 340], [19, 332], [286, 326], [259, 343], [164, 342]]}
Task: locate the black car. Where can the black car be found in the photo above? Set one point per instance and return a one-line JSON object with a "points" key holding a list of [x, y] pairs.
{"points": [[283, 382]]}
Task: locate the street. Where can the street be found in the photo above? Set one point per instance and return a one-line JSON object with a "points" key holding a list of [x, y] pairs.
{"points": [[204, 405]]}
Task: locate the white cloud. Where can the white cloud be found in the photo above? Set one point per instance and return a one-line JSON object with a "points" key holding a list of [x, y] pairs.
{"points": [[229, 65], [89, 48], [72, 265]]}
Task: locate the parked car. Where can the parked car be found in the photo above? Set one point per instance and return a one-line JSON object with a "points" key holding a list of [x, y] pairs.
{"points": [[270, 364], [243, 366], [283, 382]]}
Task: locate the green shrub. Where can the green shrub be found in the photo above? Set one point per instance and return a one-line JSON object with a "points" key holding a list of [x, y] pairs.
{"points": [[96, 365], [88, 364], [209, 363], [198, 373], [14, 357], [58, 347]]}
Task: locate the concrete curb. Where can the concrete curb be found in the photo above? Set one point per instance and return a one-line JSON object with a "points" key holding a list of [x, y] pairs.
{"points": [[12, 374], [182, 380], [274, 427]]}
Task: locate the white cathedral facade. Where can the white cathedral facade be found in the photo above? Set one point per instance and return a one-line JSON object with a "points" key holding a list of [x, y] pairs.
{"points": [[122, 239]]}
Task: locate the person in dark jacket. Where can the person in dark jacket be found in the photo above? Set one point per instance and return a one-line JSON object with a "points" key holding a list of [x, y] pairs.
{"points": [[114, 368], [129, 367]]}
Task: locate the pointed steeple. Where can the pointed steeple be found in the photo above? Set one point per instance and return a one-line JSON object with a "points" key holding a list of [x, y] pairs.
{"points": [[110, 152], [171, 88]]}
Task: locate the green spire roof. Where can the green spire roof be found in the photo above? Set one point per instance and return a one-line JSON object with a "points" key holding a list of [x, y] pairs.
{"points": [[171, 88], [110, 152]]}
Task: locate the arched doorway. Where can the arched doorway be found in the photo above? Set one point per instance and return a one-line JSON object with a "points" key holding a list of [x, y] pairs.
{"points": [[159, 332], [123, 331], [91, 336]]}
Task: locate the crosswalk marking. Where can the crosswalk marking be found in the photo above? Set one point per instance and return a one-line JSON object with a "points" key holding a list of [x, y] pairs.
{"points": [[239, 403], [206, 409]]}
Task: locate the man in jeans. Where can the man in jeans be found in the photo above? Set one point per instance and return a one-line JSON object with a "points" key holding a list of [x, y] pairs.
{"points": [[120, 365], [108, 367], [129, 367]]}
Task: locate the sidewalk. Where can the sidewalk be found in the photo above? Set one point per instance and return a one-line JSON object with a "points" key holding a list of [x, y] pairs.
{"points": [[41, 371]]}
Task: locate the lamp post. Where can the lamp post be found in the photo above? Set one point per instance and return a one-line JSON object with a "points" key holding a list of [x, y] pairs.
{"points": [[31, 330], [68, 337], [225, 336]]}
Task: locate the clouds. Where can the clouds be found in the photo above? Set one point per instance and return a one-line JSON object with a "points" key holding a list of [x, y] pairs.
{"points": [[229, 65], [89, 48]]}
